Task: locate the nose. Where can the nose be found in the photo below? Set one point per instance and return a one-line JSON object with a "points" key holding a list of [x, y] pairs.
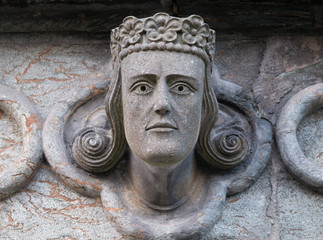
{"points": [[162, 105]]}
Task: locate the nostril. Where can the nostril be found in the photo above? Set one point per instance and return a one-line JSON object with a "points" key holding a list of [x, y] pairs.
{"points": [[162, 111]]}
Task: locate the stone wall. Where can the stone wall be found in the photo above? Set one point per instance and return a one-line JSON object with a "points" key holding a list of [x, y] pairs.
{"points": [[45, 66]]}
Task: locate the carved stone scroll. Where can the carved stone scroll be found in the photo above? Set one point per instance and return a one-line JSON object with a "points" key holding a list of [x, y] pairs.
{"points": [[296, 109], [23, 111]]}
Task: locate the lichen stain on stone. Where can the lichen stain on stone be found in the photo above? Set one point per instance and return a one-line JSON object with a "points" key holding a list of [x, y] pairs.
{"points": [[32, 119], [34, 96], [319, 94], [2, 149], [79, 182], [113, 209], [11, 102], [138, 235], [94, 88], [56, 193], [43, 59], [234, 200], [199, 216], [38, 59]]}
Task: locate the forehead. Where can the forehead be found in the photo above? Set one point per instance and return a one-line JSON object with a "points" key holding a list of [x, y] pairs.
{"points": [[163, 62]]}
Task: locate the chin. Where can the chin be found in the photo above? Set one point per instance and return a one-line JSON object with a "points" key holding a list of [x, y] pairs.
{"points": [[164, 157]]}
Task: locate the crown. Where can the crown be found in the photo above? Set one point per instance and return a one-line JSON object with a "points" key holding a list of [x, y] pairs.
{"points": [[163, 32]]}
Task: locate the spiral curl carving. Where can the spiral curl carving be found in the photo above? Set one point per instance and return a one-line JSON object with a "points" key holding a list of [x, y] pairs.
{"points": [[91, 149], [232, 149], [226, 150], [230, 144]]}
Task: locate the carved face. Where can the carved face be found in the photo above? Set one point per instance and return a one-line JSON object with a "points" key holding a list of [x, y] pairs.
{"points": [[162, 96]]}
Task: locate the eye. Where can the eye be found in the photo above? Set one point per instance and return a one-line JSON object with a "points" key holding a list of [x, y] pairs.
{"points": [[181, 88], [141, 88]]}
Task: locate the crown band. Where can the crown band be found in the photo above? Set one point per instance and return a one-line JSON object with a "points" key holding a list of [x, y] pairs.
{"points": [[163, 32]]}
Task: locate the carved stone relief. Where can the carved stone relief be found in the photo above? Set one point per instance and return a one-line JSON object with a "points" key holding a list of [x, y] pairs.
{"points": [[18, 174], [154, 143], [302, 104], [87, 123], [44, 67]]}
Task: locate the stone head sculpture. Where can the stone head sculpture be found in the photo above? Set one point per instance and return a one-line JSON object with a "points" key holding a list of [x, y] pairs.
{"points": [[161, 100], [161, 119], [162, 105]]}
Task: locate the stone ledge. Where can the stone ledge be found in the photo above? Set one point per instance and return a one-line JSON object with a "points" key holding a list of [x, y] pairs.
{"points": [[248, 18]]}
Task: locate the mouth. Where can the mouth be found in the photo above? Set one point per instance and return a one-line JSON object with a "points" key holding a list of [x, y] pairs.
{"points": [[161, 127]]}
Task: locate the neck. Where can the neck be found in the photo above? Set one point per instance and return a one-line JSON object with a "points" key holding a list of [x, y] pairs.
{"points": [[163, 187]]}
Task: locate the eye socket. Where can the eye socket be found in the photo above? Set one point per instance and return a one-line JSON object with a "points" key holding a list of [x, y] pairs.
{"points": [[181, 88], [141, 88]]}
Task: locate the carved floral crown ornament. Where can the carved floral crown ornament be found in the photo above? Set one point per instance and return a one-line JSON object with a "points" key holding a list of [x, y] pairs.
{"points": [[163, 32]]}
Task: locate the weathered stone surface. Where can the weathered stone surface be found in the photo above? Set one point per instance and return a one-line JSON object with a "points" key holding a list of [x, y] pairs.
{"points": [[309, 135], [240, 60], [299, 106], [248, 17], [289, 65], [258, 18], [45, 67], [10, 140], [299, 209], [46, 209], [73, 16], [160, 190], [277, 206], [17, 172], [238, 220]]}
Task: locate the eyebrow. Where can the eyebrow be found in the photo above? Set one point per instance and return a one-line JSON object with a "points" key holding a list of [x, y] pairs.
{"points": [[144, 76], [173, 77], [147, 77]]}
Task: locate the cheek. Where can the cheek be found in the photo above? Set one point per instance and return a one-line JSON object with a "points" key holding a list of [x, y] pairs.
{"points": [[190, 106], [189, 112], [135, 117], [134, 106], [131, 108]]}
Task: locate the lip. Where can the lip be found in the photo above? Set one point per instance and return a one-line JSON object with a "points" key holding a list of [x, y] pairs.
{"points": [[161, 127]]}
